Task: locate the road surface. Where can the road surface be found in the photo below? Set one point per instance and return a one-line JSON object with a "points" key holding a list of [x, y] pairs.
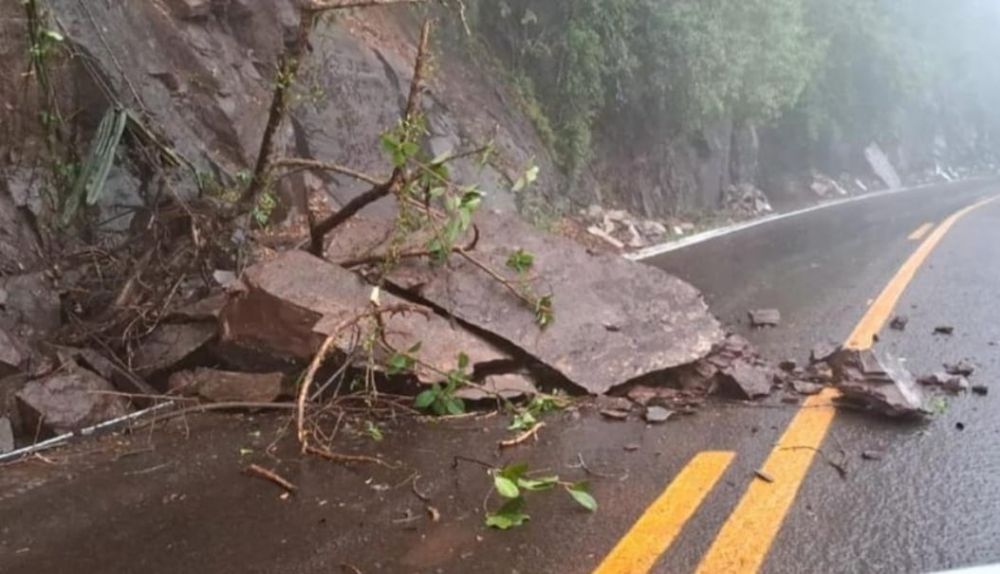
{"points": [[682, 497]]}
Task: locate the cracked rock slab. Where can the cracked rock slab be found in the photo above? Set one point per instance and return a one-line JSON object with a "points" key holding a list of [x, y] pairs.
{"points": [[661, 321]]}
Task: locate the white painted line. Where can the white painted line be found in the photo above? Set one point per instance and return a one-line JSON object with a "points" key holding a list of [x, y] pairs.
{"points": [[662, 248]]}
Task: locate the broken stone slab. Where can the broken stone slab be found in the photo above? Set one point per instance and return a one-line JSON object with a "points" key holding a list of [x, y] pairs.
{"points": [[206, 309], [295, 301], [878, 382], [6, 436], [761, 318], [69, 400], [508, 386], [226, 387], [170, 345], [664, 322]]}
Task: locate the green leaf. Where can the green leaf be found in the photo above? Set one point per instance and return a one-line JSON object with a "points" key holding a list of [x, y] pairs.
{"points": [[455, 406], [580, 494], [425, 399], [520, 261], [514, 471], [538, 484], [398, 363], [523, 421], [506, 487], [529, 177], [463, 361], [510, 515]]}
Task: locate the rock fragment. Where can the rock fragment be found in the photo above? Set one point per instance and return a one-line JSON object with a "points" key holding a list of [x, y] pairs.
{"points": [[508, 386], [760, 318], [951, 383], [227, 387], [823, 352], [807, 388], [170, 345], [877, 382], [657, 415], [944, 330], [899, 323], [963, 368], [69, 400]]}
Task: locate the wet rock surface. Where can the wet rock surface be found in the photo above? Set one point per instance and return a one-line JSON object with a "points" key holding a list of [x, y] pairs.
{"points": [[170, 345], [878, 382], [663, 321]]}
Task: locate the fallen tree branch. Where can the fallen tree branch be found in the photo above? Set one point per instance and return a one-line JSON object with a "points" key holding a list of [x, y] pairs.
{"points": [[523, 437], [346, 458], [271, 476]]}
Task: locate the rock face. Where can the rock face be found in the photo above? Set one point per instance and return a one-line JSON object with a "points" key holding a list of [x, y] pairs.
{"points": [[68, 400], [615, 320], [203, 70], [296, 300]]}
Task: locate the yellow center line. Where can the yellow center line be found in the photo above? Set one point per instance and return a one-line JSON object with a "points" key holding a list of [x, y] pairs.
{"points": [[748, 534], [920, 232], [657, 528]]}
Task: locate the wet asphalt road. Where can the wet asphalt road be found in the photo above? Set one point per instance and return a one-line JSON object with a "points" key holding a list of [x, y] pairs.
{"points": [[176, 501]]}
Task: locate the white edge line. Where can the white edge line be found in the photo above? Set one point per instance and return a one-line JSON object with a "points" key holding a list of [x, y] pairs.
{"points": [[662, 248]]}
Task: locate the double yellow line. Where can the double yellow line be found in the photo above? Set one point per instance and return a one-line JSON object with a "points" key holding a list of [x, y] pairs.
{"points": [[745, 539]]}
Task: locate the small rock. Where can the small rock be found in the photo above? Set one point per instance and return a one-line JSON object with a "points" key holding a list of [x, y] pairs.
{"points": [[948, 382], [806, 388], [944, 330], [657, 415], [872, 455], [613, 414], [225, 387], [899, 323], [963, 368], [69, 400], [788, 365], [632, 447], [981, 390], [6, 436], [761, 318], [642, 395], [823, 352], [789, 400], [746, 380], [960, 426]]}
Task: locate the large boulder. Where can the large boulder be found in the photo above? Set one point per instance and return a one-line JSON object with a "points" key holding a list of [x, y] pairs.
{"points": [[615, 320], [295, 301]]}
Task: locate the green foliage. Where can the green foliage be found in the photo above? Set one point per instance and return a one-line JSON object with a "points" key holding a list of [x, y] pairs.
{"points": [[440, 399], [90, 182], [515, 481], [520, 261]]}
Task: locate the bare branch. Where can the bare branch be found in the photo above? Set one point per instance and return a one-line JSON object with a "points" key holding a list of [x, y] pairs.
{"points": [[321, 229], [312, 164]]}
